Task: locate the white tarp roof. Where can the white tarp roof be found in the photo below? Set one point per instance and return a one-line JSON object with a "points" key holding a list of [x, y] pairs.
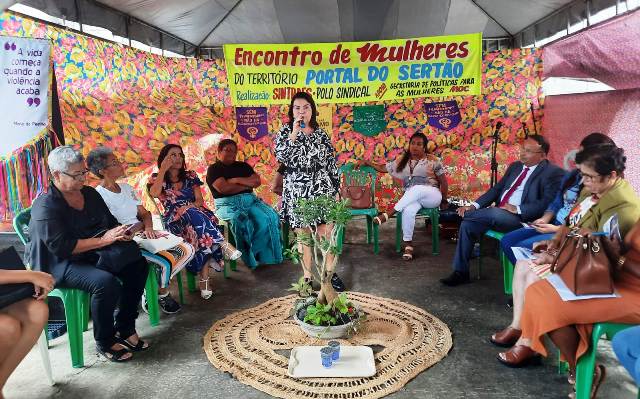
{"points": [[212, 23]]}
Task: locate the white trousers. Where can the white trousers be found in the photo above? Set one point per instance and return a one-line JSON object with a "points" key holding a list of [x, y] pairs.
{"points": [[415, 198]]}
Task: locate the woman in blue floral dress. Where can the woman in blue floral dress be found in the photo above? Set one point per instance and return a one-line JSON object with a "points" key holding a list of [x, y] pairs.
{"points": [[185, 215]]}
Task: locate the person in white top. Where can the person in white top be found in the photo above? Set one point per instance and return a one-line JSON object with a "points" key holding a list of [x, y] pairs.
{"points": [[126, 207]]}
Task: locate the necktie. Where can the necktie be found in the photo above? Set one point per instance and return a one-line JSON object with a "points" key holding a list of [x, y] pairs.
{"points": [[513, 188]]}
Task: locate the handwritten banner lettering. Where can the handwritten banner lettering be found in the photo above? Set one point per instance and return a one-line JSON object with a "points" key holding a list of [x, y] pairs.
{"points": [[352, 72]]}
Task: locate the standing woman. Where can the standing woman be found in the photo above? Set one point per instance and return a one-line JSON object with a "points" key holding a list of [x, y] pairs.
{"points": [[424, 182], [309, 163], [186, 216]]}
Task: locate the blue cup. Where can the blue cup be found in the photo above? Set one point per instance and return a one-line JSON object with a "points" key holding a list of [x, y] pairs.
{"points": [[326, 354], [335, 346]]}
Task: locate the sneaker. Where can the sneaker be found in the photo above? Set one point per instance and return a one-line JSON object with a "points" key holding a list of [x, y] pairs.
{"points": [[169, 305], [337, 283]]}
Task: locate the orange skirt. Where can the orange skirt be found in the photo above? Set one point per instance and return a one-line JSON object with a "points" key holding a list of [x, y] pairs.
{"points": [[544, 311]]}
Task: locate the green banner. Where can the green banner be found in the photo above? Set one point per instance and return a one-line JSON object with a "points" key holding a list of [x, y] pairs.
{"points": [[369, 119]]}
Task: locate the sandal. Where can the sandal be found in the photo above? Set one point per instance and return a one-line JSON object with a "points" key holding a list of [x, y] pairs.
{"points": [[408, 253], [598, 377], [139, 347], [381, 218], [215, 265], [113, 355], [229, 251], [205, 293]]}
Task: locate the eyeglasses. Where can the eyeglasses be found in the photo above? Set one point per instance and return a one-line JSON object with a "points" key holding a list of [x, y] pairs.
{"points": [[529, 151], [586, 177], [79, 176]]}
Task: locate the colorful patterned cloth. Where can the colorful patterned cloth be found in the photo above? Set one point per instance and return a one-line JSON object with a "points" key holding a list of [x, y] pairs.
{"points": [[198, 226]]}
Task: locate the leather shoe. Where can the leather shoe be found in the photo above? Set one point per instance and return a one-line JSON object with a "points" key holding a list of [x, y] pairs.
{"points": [[456, 278], [506, 338], [337, 283], [519, 356]]}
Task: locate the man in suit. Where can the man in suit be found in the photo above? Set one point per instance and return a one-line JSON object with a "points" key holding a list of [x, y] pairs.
{"points": [[522, 195]]}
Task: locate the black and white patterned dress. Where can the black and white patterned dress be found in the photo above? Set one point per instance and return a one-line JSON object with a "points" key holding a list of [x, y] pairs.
{"points": [[311, 170]]}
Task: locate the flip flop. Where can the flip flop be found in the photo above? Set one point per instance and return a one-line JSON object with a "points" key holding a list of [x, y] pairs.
{"points": [[139, 347], [113, 355], [381, 218]]}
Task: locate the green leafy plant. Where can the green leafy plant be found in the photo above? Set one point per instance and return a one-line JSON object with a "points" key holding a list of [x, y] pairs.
{"points": [[320, 315], [302, 287], [324, 243]]}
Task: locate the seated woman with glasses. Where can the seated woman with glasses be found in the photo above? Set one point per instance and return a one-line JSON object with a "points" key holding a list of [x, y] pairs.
{"points": [[126, 207], [255, 225], [186, 216], [569, 323], [76, 239], [541, 229]]}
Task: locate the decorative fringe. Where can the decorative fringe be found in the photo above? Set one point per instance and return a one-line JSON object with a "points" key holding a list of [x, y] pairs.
{"points": [[24, 175]]}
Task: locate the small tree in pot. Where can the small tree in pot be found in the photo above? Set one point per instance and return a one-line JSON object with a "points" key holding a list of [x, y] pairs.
{"points": [[329, 308]]}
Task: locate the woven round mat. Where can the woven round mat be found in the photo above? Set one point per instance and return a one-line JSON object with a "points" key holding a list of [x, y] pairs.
{"points": [[253, 345]]}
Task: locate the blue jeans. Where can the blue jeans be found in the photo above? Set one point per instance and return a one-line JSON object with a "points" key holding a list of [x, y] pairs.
{"points": [[626, 345], [521, 238]]}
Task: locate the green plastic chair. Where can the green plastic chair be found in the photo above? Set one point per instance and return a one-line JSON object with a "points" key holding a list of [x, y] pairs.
{"points": [[587, 363], [434, 215], [507, 266], [75, 301], [362, 176]]}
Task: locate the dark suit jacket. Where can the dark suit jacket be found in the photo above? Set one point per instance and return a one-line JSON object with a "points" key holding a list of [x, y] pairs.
{"points": [[539, 191], [55, 229]]}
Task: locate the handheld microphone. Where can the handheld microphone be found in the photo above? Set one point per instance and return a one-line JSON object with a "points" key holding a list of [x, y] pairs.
{"points": [[302, 125]]}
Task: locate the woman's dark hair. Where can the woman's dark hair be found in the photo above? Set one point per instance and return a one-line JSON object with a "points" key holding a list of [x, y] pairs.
{"points": [[314, 111], [589, 140], [603, 158], [405, 157], [596, 138], [163, 154], [97, 160], [226, 142]]}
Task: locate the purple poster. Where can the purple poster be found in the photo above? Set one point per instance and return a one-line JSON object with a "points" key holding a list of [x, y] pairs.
{"points": [[251, 122], [443, 115]]}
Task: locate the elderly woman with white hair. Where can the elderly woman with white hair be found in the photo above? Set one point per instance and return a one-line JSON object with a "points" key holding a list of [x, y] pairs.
{"points": [[76, 239]]}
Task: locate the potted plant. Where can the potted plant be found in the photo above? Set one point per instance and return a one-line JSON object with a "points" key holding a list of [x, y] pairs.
{"points": [[324, 314]]}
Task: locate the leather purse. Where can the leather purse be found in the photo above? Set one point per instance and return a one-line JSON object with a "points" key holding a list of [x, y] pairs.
{"points": [[584, 264], [359, 196], [12, 293]]}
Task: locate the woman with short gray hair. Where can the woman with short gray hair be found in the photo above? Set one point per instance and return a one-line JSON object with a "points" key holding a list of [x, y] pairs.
{"points": [[76, 239]]}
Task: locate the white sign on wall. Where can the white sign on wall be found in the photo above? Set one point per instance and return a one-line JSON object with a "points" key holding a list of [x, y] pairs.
{"points": [[24, 82]]}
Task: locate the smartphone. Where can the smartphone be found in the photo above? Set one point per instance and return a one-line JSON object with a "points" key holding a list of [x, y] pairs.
{"points": [[527, 225], [134, 228]]}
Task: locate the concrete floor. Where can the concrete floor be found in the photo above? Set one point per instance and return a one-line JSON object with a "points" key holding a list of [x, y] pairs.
{"points": [[177, 365]]}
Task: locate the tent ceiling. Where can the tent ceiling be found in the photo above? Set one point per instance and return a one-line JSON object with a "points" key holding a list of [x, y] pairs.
{"points": [[211, 23]]}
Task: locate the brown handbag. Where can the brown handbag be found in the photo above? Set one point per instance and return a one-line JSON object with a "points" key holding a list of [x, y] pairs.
{"points": [[359, 196], [584, 265]]}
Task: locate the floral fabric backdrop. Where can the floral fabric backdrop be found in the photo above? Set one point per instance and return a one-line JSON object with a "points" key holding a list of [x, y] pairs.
{"points": [[135, 102]]}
